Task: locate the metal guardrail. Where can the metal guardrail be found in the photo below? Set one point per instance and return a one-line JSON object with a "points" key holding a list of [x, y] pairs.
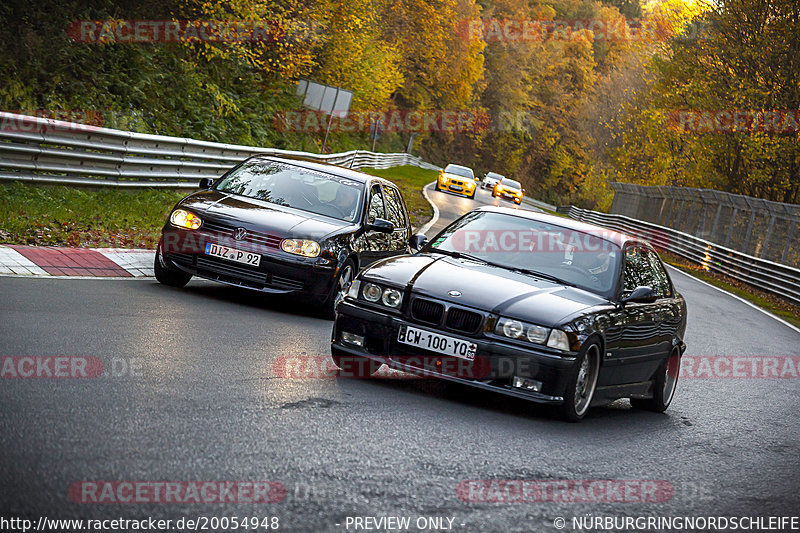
{"points": [[781, 280], [52, 151]]}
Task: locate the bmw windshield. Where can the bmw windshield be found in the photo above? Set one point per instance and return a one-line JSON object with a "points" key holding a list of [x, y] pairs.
{"points": [[533, 247]]}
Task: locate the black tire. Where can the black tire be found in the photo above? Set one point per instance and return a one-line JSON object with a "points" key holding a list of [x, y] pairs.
{"points": [[582, 384], [494, 195], [472, 196], [663, 386], [345, 276], [436, 187], [355, 366], [169, 277]]}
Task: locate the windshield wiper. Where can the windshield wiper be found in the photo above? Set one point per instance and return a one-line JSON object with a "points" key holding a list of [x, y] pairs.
{"points": [[542, 275], [461, 255], [527, 271]]}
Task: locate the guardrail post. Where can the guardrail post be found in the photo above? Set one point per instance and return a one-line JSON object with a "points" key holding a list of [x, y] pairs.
{"points": [[749, 232], [789, 236], [767, 237]]}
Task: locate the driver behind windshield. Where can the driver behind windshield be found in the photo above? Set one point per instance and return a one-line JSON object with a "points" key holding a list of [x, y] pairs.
{"points": [[345, 202], [595, 264]]}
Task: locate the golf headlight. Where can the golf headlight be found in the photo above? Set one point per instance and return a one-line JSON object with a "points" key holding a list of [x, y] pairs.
{"points": [[392, 298], [515, 329], [559, 340], [300, 247], [185, 219]]}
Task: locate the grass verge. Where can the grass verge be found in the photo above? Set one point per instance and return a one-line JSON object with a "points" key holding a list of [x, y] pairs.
{"points": [[765, 300], [58, 215], [410, 180]]}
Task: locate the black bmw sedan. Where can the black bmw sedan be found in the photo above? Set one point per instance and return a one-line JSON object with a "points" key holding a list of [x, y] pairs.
{"points": [[284, 226], [525, 304]]}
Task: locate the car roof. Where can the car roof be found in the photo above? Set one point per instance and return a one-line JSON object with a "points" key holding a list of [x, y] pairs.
{"points": [[620, 239], [328, 168], [493, 174]]}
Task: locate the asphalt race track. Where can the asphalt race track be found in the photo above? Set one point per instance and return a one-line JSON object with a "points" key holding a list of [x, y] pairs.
{"points": [[191, 393]]}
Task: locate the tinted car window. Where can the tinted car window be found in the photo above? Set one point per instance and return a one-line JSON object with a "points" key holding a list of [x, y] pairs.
{"points": [[376, 204], [296, 187], [394, 208], [638, 270], [661, 283], [582, 259]]}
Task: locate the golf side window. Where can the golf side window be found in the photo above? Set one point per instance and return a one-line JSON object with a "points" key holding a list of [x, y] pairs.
{"points": [[377, 207], [394, 208]]}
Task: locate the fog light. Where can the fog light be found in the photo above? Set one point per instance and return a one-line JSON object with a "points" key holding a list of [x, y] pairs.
{"points": [[526, 384], [352, 338]]}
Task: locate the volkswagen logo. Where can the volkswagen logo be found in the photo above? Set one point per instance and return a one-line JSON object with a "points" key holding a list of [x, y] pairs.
{"points": [[240, 234], [454, 294]]}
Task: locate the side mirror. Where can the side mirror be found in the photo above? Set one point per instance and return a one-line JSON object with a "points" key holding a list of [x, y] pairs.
{"points": [[206, 183], [642, 294], [417, 241], [380, 225]]}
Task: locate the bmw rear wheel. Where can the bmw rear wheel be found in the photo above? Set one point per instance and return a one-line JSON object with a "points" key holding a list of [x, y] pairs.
{"points": [[663, 386]]}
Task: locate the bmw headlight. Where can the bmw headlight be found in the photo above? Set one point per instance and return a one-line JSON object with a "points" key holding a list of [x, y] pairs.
{"points": [[371, 292], [515, 329], [302, 247], [376, 294], [184, 219], [392, 297]]}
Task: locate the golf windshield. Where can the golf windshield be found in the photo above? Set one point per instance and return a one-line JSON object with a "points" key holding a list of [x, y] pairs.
{"points": [[296, 187]]}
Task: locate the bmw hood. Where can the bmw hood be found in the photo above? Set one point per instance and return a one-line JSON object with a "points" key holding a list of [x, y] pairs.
{"points": [[485, 287]]}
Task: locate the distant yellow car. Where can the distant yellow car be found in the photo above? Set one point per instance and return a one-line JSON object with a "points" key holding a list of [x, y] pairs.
{"points": [[508, 189], [458, 180]]}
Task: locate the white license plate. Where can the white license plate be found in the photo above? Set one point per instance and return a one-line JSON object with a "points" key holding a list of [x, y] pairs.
{"points": [[232, 254], [441, 344]]}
